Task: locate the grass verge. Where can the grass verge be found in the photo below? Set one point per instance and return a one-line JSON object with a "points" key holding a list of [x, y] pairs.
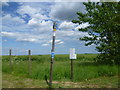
{"points": [[10, 81]]}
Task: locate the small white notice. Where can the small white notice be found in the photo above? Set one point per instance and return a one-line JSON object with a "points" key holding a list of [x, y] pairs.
{"points": [[72, 53]]}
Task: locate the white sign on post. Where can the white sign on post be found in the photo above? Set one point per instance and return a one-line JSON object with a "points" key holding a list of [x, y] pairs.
{"points": [[72, 53]]}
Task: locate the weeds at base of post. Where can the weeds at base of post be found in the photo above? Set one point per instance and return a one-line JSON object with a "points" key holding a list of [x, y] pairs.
{"points": [[47, 82]]}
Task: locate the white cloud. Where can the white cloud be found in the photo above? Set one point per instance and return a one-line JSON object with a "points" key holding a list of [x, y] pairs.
{"points": [[5, 0], [61, 42], [37, 30], [30, 0], [37, 21], [67, 25], [70, 35], [40, 25], [22, 36], [14, 27], [27, 10], [84, 25], [57, 41], [32, 22], [45, 44], [42, 28], [13, 24], [34, 13], [30, 39], [51, 0], [9, 20], [70, 31], [9, 34]]}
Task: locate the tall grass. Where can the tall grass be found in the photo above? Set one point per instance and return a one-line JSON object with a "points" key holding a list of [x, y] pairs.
{"points": [[84, 67]]}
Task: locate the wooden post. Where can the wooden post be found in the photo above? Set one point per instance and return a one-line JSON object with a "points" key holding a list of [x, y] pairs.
{"points": [[52, 56], [10, 54], [51, 69], [71, 77], [72, 57], [29, 62]]}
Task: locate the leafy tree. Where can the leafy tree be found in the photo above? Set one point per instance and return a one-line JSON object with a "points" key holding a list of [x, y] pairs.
{"points": [[103, 29]]}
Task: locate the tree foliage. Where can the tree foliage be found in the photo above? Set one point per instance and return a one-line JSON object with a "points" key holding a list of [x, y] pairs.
{"points": [[103, 29]]}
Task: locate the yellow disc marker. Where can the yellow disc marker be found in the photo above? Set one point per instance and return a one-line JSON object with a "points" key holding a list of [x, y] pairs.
{"points": [[54, 29]]}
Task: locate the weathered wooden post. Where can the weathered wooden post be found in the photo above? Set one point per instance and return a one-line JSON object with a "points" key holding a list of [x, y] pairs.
{"points": [[52, 55], [72, 57], [29, 62], [10, 54], [71, 77]]}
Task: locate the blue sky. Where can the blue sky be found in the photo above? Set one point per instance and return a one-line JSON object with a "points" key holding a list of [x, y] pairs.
{"points": [[28, 25]]}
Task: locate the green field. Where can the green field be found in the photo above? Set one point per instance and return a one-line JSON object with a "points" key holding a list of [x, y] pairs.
{"points": [[87, 73]]}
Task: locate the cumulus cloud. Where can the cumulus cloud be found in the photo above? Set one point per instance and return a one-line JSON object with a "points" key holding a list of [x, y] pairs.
{"points": [[9, 34], [32, 12], [69, 30], [15, 27], [22, 36], [12, 24], [37, 21], [27, 10], [32, 22], [67, 25], [45, 44], [38, 30], [9, 20], [66, 11], [29, 39], [70, 35], [40, 26]]}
